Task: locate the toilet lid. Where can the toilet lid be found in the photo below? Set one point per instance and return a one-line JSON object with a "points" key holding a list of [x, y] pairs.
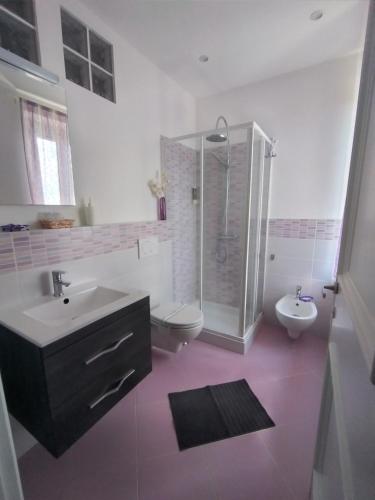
{"points": [[177, 315]]}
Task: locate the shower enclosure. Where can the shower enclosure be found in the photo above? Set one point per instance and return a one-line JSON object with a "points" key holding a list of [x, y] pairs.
{"points": [[218, 208]]}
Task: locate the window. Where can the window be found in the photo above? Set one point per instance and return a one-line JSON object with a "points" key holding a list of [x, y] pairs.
{"points": [[88, 57], [49, 171], [18, 29], [48, 159]]}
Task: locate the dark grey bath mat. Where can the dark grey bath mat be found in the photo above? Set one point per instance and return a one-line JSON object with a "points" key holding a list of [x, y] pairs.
{"points": [[216, 412]]}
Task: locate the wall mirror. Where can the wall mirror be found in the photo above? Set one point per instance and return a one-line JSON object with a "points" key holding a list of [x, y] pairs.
{"points": [[35, 158]]}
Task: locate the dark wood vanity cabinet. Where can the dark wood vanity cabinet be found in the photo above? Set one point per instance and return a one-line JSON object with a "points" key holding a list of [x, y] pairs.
{"points": [[59, 391]]}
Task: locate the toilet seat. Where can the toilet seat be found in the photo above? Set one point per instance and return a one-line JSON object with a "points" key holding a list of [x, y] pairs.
{"points": [[176, 315]]}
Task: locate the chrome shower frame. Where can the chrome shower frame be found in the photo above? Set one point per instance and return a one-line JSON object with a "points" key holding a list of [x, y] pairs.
{"points": [[251, 128]]}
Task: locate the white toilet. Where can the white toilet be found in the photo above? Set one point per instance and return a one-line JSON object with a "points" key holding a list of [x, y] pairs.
{"points": [[295, 314], [174, 325]]}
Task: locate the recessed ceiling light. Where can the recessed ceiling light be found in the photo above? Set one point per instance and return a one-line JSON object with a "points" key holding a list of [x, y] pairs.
{"points": [[203, 58], [316, 15]]}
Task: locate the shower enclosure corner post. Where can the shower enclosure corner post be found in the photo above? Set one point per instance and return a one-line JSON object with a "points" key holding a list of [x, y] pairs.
{"points": [[201, 229], [259, 226], [245, 264]]}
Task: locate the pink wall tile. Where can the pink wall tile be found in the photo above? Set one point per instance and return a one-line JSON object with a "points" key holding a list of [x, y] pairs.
{"points": [[36, 248], [180, 165], [324, 229]]}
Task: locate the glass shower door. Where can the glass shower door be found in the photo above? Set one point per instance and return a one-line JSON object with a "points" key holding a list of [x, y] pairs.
{"points": [[263, 232], [256, 241], [224, 207], [180, 160], [217, 220]]}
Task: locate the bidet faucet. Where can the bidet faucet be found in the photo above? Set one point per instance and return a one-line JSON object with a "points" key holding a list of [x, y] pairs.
{"points": [[58, 283], [298, 292]]}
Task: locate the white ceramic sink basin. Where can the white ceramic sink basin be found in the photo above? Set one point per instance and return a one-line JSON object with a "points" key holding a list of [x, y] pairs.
{"points": [[72, 306], [46, 319]]}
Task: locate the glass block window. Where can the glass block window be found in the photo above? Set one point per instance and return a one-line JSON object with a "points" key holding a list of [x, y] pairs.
{"points": [[18, 32], [88, 57]]}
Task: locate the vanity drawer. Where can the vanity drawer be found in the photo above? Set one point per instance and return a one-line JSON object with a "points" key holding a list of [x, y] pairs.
{"points": [[94, 357], [80, 412]]}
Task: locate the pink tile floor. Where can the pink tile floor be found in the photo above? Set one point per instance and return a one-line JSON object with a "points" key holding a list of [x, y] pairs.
{"points": [[132, 453]]}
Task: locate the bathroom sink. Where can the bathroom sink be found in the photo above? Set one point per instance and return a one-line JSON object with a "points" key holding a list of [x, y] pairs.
{"points": [[70, 307], [44, 320]]}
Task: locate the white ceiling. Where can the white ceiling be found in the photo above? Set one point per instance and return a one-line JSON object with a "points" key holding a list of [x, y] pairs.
{"points": [[246, 41]]}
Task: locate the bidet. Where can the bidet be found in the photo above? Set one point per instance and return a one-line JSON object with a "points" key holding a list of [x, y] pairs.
{"points": [[295, 314]]}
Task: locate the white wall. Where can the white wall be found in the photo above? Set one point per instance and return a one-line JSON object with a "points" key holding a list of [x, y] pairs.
{"points": [[311, 113], [115, 147]]}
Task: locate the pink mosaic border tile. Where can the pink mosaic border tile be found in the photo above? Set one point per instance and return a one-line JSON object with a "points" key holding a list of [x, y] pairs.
{"points": [[36, 248], [320, 229]]}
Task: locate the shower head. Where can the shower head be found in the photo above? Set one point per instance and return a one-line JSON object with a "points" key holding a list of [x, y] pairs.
{"points": [[219, 137], [216, 138]]}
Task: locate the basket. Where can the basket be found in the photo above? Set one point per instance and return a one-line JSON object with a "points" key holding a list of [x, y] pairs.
{"points": [[56, 223]]}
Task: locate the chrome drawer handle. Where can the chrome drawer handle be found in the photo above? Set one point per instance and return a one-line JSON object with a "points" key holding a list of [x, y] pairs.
{"points": [[112, 391], [109, 349]]}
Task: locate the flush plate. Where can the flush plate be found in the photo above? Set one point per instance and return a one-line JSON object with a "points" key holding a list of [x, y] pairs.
{"points": [[148, 247]]}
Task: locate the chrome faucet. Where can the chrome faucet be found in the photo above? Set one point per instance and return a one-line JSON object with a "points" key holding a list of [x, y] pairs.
{"points": [[298, 292], [58, 283]]}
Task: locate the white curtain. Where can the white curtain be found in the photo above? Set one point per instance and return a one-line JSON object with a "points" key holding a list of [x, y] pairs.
{"points": [[47, 151]]}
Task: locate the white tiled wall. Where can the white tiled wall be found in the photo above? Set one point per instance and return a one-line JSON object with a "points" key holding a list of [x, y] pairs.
{"points": [[309, 262], [153, 274]]}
